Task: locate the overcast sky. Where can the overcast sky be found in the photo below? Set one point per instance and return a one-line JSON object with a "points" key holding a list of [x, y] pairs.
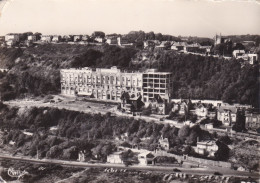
{"points": [[176, 17]]}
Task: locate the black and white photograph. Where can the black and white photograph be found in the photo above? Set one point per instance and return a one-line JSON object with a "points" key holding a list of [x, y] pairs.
{"points": [[129, 91]]}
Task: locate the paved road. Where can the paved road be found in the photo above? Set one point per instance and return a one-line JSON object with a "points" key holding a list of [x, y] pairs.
{"points": [[195, 171]]}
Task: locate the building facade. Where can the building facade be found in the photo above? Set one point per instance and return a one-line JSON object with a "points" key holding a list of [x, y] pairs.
{"points": [[227, 115], [31, 38], [109, 84], [46, 38], [206, 148], [156, 83], [115, 158], [252, 121]]}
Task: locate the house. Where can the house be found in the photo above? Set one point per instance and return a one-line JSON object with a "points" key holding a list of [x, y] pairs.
{"points": [[67, 38], [185, 107], [46, 38], [206, 49], [111, 40], [115, 158], [122, 40], [178, 46], [81, 156], [85, 38], [201, 110], [131, 103], [150, 44], [206, 148], [227, 115], [252, 58], [241, 169], [146, 158], [77, 38], [191, 47], [158, 105], [100, 39], [12, 39], [164, 143], [219, 39], [32, 38], [56, 39], [160, 47], [252, 121], [238, 53]]}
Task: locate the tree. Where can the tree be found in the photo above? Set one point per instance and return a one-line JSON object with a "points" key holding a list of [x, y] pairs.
{"points": [[222, 154], [188, 150], [239, 46], [239, 125], [147, 111], [184, 132], [225, 139]]}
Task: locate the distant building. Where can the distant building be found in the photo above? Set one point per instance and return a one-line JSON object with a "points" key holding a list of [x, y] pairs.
{"points": [[219, 39], [191, 47], [131, 104], [252, 121], [158, 105], [12, 39], [32, 38], [111, 40], [115, 158], [207, 49], [183, 107], [56, 39], [227, 115], [252, 58], [179, 46], [249, 43], [164, 143], [150, 44], [160, 47], [206, 148], [85, 38], [77, 38], [146, 158], [67, 38], [81, 156], [100, 39], [122, 40], [238, 53], [201, 110], [46, 38]]}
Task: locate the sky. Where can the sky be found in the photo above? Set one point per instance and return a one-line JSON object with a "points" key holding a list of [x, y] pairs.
{"points": [[203, 18]]}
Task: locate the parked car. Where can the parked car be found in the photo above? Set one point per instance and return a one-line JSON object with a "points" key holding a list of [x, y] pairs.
{"points": [[217, 173], [176, 170]]}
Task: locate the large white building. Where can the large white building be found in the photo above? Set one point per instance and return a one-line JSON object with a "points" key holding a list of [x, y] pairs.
{"points": [[109, 84], [206, 148]]}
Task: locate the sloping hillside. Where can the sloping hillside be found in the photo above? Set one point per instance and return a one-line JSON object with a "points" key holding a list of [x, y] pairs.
{"points": [[35, 71]]}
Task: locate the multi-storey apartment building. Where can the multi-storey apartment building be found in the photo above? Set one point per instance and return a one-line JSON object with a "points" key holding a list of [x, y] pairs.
{"points": [[156, 83], [109, 84]]}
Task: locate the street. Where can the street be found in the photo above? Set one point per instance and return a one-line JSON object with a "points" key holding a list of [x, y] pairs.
{"points": [[193, 171]]}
